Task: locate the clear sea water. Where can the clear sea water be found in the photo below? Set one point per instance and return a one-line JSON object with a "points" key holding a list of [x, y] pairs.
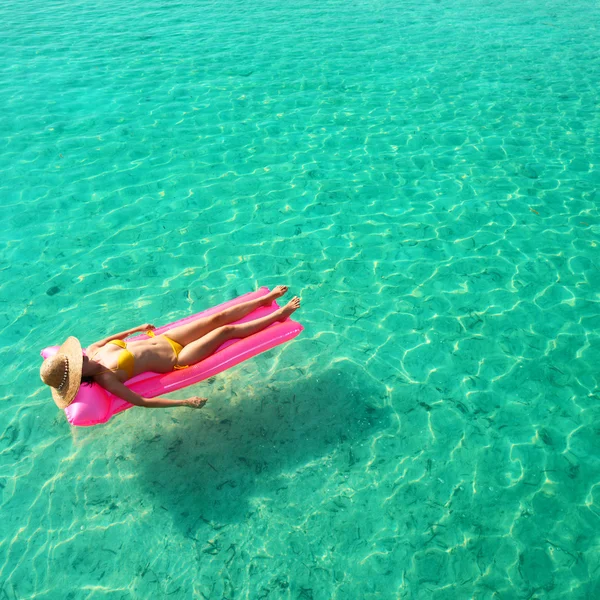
{"points": [[425, 176]]}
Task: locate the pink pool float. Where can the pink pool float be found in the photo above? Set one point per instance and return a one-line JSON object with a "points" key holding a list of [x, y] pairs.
{"points": [[94, 405]]}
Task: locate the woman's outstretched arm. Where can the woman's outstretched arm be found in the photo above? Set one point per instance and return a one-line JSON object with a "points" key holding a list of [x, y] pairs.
{"points": [[110, 383]]}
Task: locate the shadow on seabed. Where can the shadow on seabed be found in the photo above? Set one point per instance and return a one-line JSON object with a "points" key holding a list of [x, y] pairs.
{"points": [[207, 470]]}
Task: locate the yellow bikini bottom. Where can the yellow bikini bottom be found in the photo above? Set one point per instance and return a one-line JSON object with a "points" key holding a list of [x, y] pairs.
{"points": [[177, 348]]}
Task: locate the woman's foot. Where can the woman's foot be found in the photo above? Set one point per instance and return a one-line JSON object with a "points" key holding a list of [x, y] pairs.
{"points": [[289, 308], [275, 293]]}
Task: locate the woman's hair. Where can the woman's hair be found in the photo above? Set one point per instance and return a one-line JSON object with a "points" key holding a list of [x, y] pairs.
{"points": [[87, 379]]}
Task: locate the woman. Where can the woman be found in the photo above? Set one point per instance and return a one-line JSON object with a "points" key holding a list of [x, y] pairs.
{"points": [[110, 362]]}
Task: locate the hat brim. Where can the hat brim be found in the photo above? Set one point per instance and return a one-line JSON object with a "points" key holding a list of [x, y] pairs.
{"points": [[72, 349]]}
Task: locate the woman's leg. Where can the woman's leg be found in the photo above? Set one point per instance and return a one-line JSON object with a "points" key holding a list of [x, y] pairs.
{"points": [[186, 334], [200, 349]]}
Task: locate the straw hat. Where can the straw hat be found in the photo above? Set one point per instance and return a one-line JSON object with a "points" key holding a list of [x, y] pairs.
{"points": [[62, 372]]}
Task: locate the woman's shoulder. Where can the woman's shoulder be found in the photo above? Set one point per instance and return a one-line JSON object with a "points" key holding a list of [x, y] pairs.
{"points": [[92, 349]]}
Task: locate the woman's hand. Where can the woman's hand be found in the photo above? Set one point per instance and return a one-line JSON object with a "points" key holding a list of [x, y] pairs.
{"points": [[196, 402], [145, 327]]}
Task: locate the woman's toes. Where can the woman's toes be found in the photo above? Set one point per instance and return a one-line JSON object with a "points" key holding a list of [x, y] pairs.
{"points": [[290, 307], [280, 290]]}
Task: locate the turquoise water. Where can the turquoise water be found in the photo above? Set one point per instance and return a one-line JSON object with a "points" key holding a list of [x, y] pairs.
{"points": [[425, 176]]}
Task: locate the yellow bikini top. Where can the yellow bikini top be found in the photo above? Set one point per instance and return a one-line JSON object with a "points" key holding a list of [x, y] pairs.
{"points": [[125, 360]]}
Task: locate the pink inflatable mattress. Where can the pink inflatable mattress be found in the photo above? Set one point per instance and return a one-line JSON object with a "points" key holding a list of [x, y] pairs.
{"points": [[94, 405]]}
